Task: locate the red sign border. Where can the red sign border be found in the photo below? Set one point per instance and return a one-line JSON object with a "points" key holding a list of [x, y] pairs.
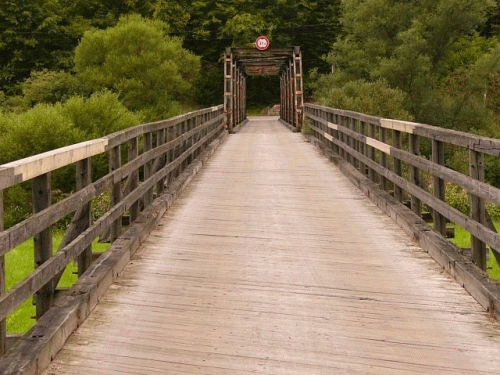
{"points": [[260, 38]]}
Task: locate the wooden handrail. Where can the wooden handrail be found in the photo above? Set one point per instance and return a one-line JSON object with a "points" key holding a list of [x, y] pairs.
{"points": [[363, 140], [168, 148]]}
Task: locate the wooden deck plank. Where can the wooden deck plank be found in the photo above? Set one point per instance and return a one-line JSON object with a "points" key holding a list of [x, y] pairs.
{"points": [[272, 263]]}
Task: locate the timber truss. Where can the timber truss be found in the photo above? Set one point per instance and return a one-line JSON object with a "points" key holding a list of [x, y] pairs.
{"points": [[240, 63]]}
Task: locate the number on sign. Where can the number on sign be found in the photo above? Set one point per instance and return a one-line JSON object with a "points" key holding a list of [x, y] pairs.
{"points": [[262, 43]]}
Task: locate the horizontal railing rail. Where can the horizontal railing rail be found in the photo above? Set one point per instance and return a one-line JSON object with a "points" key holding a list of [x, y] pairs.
{"points": [[141, 160], [390, 153]]}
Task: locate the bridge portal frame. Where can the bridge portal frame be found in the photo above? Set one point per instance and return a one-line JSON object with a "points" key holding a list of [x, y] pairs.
{"points": [[239, 63]]}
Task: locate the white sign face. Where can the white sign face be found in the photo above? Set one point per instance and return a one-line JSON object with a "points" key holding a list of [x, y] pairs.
{"points": [[262, 43]]}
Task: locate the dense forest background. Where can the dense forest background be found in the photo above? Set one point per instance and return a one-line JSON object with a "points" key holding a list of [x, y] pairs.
{"points": [[74, 70]]}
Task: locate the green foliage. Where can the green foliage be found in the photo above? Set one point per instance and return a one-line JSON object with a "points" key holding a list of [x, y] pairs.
{"points": [[416, 47], [38, 130], [100, 115], [17, 203], [19, 263], [457, 198], [48, 86], [244, 27], [34, 36], [47, 127], [215, 25], [136, 59], [375, 98]]}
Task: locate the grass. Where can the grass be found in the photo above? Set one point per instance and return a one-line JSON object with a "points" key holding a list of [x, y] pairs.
{"points": [[19, 263], [255, 111], [462, 240]]}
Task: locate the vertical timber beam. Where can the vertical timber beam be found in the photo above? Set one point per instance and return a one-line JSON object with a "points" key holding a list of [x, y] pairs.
{"points": [[234, 94], [148, 167], [281, 96], [162, 160], [397, 143], [438, 183], [41, 193], [292, 97], [478, 210], [115, 162], [228, 88], [3, 330], [384, 182], [244, 88], [83, 178], [299, 89], [287, 94], [414, 146], [133, 152]]}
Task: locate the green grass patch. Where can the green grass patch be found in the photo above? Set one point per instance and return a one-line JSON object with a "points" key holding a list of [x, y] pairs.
{"points": [[462, 240], [256, 111], [19, 263]]}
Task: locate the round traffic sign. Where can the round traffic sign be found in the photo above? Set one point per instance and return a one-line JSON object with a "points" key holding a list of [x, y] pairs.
{"points": [[262, 43]]}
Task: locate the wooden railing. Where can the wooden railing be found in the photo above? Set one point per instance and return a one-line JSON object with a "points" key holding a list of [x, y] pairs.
{"points": [[141, 160], [390, 153]]}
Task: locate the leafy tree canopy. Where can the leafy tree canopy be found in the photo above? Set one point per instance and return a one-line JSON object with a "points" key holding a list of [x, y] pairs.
{"points": [[148, 70], [421, 48]]}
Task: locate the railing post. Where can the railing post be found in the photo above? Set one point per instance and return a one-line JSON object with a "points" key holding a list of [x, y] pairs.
{"points": [[228, 88], [162, 160], [234, 94], [371, 153], [292, 92], [353, 143], [363, 146], [281, 96], [478, 210], [244, 97], [298, 93], [115, 162], [83, 178], [3, 330], [414, 146], [41, 193], [148, 167], [383, 158], [396, 142], [133, 152], [330, 117], [439, 188]]}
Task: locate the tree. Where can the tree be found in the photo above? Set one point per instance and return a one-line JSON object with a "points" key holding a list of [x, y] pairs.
{"points": [[48, 86], [408, 44], [136, 59], [34, 36], [215, 25]]}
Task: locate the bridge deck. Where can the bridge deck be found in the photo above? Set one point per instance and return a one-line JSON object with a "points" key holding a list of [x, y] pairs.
{"points": [[272, 263]]}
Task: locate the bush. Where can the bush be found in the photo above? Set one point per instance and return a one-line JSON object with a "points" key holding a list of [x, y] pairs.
{"points": [[138, 60], [48, 86], [457, 198], [17, 203], [100, 115], [37, 130], [374, 98]]}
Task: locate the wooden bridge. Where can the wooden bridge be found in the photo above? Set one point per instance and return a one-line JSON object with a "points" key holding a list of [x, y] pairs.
{"points": [[252, 252]]}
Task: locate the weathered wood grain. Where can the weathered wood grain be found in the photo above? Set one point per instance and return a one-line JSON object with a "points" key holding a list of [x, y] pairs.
{"points": [[33, 166], [79, 240], [479, 230], [474, 186], [474, 142], [272, 263]]}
